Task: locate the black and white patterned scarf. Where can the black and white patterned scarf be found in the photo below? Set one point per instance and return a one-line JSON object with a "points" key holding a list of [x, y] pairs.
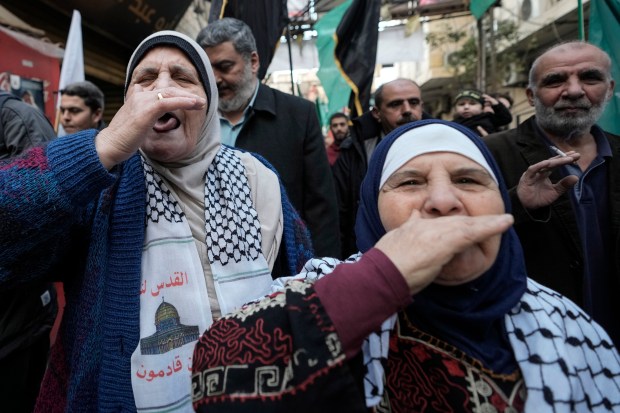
{"points": [[233, 233], [567, 360], [174, 304]]}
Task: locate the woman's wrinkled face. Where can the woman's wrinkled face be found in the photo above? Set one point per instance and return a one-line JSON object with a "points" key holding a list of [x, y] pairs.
{"points": [[442, 184], [175, 134]]}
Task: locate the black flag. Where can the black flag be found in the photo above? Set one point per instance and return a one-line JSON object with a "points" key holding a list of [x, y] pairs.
{"points": [[356, 51], [266, 18]]}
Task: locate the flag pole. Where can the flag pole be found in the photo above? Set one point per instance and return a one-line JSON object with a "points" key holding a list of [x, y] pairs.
{"points": [[72, 69], [482, 55], [580, 19], [290, 56]]}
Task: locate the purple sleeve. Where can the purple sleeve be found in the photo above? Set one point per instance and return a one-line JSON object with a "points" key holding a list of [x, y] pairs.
{"points": [[359, 296]]}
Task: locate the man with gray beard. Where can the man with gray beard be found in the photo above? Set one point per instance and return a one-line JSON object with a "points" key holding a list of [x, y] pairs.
{"points": [[563, 172], [281, 127]]}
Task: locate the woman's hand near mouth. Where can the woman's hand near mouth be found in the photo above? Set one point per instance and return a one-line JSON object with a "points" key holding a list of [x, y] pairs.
{"points": [[141, 112]]}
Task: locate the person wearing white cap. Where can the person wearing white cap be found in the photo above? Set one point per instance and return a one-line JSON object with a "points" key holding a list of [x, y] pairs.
{"points": [[435, 313]]}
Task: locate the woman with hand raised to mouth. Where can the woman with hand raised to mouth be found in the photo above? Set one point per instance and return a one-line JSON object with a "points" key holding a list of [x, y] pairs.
{"points": [[157, 230], [435, 313]]}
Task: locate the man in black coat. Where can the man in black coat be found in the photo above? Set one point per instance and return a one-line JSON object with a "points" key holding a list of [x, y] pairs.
{"points": [[396, 103], [282, 128], [567, 208]]}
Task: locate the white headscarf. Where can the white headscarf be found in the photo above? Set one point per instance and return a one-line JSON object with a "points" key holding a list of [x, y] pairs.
{"points": [[427, 139]]}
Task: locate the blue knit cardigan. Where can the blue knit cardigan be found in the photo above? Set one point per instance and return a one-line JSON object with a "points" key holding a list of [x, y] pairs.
{"points": [[63, 213]]}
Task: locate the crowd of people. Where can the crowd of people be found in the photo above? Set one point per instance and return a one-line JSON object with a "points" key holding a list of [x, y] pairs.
{"points": [[216, 255]]}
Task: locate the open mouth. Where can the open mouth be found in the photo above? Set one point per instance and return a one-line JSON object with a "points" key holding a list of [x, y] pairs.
{"points": [[167, 123]]}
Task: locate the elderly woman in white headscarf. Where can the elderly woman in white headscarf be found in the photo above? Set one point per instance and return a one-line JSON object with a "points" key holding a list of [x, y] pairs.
{"points": [[156, 229], [434, 314]]}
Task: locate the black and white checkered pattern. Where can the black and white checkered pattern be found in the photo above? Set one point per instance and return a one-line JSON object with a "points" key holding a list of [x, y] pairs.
{"points": [[232, 225], [159, 200], [568, 362]]}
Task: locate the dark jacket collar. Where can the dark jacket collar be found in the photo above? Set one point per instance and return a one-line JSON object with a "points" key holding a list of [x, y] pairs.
{"points": [[534, 148], [265, 100], [366, 127]]}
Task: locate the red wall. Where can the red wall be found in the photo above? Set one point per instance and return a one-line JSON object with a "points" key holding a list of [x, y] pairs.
{"points": [[19, 59]]}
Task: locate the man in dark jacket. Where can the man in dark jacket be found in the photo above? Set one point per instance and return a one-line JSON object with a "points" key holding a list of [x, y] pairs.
{"points": [[339, 129], [281, 127], [26, 314], [396, 103], [570, 234]]}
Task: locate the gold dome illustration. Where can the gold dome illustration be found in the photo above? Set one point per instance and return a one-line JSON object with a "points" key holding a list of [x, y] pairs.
{"points": [[169, 332]]}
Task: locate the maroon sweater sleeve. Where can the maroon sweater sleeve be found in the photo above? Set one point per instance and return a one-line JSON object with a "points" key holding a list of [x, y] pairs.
{"points": [[359, 296]]}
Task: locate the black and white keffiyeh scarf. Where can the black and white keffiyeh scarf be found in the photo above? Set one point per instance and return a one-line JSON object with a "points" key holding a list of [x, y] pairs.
{"points": [[174, 305], [568, 362]]}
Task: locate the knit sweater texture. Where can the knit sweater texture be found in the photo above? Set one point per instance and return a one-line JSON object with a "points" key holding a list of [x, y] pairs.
{"points": [[61, 209]]}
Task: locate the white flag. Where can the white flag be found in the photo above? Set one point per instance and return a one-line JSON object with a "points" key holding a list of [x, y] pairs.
{"points": [[72, 69]]}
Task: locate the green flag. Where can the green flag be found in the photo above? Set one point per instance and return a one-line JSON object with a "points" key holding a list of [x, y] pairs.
{"points": [[604, 27], [479, 7], [336, 88]]}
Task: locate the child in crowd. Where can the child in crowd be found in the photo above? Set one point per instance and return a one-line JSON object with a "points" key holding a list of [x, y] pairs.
{"points": [[470, 111]]}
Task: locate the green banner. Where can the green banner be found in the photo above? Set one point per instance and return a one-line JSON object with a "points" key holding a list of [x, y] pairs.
{"points": [[604, 29], [479, 7], [336, 88]]}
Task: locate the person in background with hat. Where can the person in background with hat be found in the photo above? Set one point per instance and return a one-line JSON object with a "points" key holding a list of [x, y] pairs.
{"points": [[469, 111], [157, 230]]}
